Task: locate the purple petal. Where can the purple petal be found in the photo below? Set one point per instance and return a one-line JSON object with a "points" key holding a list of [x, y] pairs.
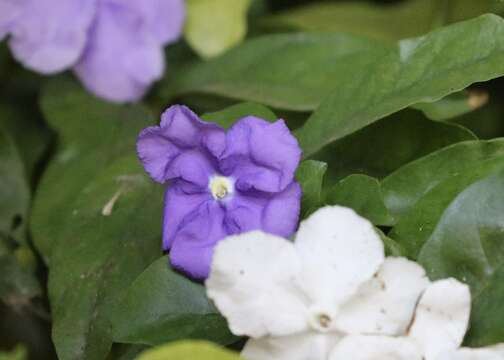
{"points": [[193, 166], [245, 213], [179, 147], [50, 36], [276, 214], [178, 205], [163, 18], [10, 11], [186, 129], [122, 59], [193, 247], [260, 155], [281, 215]]}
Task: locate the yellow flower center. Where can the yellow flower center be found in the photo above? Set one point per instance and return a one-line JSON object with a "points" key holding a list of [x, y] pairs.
{"points": [[220, 187]]}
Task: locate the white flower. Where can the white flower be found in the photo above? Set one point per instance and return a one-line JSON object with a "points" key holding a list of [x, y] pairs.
{"points": [[436, 333], [298, 300]]}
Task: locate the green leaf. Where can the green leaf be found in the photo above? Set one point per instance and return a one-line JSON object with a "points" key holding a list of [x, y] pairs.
{"points": [[487, 316], [453, 105], [189, 350], [424, 69], [391, 22], [468, 243], [363, 194], [162, 305], [230, 115], [19, 353], [383, 147], [213, 26], [405, 187], [310, 175], [97, 216], [18, 284], [14, 190], [387, 22], [289, 71]]}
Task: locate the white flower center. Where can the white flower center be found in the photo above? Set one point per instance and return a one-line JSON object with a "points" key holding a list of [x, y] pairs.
{"points": [[221, 187], [320, 320]]}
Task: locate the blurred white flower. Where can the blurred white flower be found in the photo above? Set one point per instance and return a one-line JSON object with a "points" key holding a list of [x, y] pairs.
{"points": [[298, 300]]}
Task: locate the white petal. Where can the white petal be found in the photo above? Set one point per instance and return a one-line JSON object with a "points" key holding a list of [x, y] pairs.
{"points": [[442, 317], [385, 305], [304, 346], [376, 348], [252, 283], [487, 353], [340, 250]]}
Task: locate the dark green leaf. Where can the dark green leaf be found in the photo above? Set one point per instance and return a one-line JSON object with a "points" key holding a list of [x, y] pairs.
{"points": [[229, 116], [391, 22], [487, 315], [453, 105], [363, 194], [424, 69], [310, 175], [97, 216], [405, 187], [162, 305], [14, 190], [291, 71], [468, 243], [388, 144]]}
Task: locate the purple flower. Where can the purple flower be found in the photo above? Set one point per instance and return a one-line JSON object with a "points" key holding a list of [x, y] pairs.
{"points": [[115, 47], [220, 183]]}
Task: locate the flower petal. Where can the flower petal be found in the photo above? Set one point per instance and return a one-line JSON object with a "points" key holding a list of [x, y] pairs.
{"points": [[187, 130], [276, 214], [50, 36], [442, 317], [281, 215], [385, 305], [376, 348], [180, 131], [178, 206], [10, 10], [163, 18], [304, 346], [193, 246], [252, 283], [340, 251], [260, 155], [122, 59]]}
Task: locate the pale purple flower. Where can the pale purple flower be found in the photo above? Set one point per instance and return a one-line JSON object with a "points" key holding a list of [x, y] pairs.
{"points": [[115, 47], [220, 183]]}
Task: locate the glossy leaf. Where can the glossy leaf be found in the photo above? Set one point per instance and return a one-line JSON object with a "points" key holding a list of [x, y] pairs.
{"points": [[310, 175], [289, 71], [453, 105], [423, 69], [230, 115], [93, 254], [211, 35], [363, 194], [189, 350], [468, 243], [391, 22], [162, 305], [403, 189], [385, 146]]}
